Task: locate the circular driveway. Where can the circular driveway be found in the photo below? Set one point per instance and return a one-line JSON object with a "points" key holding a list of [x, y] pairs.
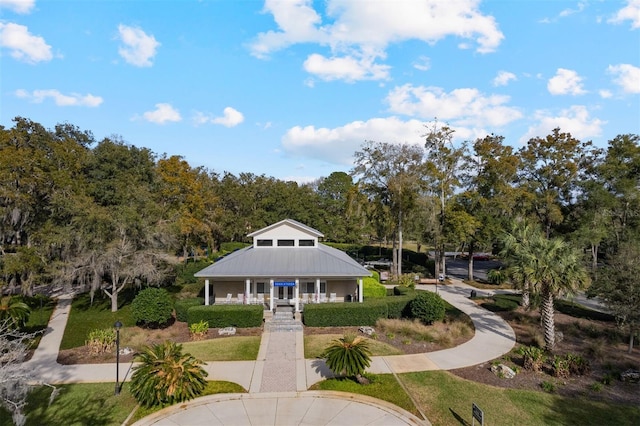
{"points": [[285, 408]]}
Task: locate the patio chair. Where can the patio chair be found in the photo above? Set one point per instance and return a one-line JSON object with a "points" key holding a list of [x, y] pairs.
{"points": [[228, 299], [241, 298], [305, 298], [323, 297], [261, 298], [332, 297]]}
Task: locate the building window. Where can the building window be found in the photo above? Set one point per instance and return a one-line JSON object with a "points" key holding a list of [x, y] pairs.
{"points": [[260, 288], [310, 287], [286, 243], [306, 243], [265, 243]]}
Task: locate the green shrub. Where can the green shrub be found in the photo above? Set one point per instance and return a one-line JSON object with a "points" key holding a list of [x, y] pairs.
{"points": [[101, 341], [344, 314], [198, 330], [183, 305], [578, 364], [534, 357], [152, 307], [548, 387], [496, 276], [401, 290], [220, 316], [375, 275], [560, 367], [428, 307], [371, 288], [398, 306]]}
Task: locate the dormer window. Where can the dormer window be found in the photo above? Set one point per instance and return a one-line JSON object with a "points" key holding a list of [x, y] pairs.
{"points": [[264, 243], [306, 243], [286, 243]]}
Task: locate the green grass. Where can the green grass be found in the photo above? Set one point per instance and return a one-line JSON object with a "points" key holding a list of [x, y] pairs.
{"points": [[383, 386], [576, 310], [237, 348], [446, 400], [314, 346], [93, 404], [85, 317]]}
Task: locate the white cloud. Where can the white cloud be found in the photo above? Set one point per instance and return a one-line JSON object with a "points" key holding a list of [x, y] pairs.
{"points": [[162, 114], [569, 12], [423, 63], [630, 12], [503, 78], [139, 48], [354, 31], [626, 76], [462, 107], [338, 144], [18, 6], [345, 68], [565, 82], [23, 45], [74, 99], [231, 118], [574, 120], [605, 94]]}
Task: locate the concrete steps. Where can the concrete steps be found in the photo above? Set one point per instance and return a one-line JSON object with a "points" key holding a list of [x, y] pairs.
{"points": [[283, 320]]}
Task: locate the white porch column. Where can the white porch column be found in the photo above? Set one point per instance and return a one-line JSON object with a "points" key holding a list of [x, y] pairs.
{"points": [[296, 295], [247, 288], [206, 292], [360, 290], [271, 295], [317, 295]]}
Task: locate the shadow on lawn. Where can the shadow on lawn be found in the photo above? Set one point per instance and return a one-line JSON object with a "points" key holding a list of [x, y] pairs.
{"points": [[459, 418]]}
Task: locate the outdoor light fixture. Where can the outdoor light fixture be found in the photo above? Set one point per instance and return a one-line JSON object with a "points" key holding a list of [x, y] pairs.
{"points": [[118, 326]]}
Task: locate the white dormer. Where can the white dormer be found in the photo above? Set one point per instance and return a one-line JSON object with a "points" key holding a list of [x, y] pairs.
{"points": [[286, 233]]}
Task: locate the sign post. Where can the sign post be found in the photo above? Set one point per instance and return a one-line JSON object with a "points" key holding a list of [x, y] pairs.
{"points": [[477, 414]]}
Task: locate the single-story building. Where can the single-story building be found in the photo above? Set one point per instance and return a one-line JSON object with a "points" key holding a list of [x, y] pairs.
{"points": [[286, 264]]}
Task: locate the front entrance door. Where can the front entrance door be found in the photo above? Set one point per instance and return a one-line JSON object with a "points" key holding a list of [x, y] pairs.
{"points": [[285, 293]]}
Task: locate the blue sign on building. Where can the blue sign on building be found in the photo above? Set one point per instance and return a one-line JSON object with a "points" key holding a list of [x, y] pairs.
{"points": [[284, 283]]}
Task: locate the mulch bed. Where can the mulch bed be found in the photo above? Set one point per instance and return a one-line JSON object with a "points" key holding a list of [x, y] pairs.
{"points": [[597, 341]]}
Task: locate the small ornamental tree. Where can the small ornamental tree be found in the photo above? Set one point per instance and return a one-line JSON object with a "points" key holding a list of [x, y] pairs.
{"points": [[165, 375], [428, 307], [348, 356], [152, 307]]}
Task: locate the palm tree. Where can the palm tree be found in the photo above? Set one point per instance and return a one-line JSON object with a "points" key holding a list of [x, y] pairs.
{"points": [[558, 270], [548, 267], [14, 311], [519, 257], [348, 356], [165, 376]]}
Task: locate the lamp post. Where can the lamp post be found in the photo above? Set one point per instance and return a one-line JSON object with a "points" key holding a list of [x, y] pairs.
{"points": [[118, 326]]}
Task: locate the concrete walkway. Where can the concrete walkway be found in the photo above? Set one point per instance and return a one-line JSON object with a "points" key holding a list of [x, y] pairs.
{"points": [[273, 383]]}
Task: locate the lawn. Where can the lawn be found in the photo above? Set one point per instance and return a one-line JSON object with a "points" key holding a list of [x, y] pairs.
{"points": [[446, 400], [93, 404], [85, 317], [383, 386], [314, 346], [237, 348]]}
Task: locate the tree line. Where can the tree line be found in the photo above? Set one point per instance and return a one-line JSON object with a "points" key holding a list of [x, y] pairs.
{"points": [[103, 215]]}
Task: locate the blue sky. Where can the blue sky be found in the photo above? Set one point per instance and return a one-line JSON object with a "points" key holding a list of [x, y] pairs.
{"points": [[291, 89]]}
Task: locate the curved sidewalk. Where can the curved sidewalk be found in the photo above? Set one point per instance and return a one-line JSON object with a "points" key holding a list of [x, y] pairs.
{"points": [[493, 338]]}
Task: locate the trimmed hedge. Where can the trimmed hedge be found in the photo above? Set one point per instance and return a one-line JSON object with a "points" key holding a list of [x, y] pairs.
{"points": [[344, 314], [183, 305], [372, 288], [220, 316], [428, 307], [399, 306]]}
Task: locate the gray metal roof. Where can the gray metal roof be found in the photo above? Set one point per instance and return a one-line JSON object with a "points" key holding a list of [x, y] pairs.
{"points": [[290, 222], [274, 262]]}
